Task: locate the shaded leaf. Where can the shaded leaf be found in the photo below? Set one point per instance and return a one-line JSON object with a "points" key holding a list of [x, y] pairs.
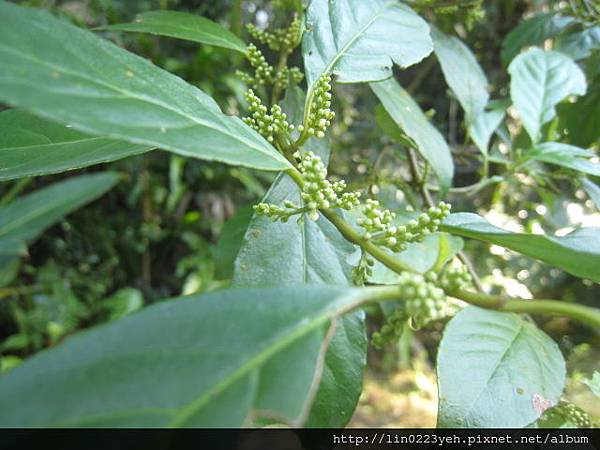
{"points": [[33, 146], [539, 80], [581, 119], [579, 44], [593, 191], [409, 117], [484, 125], [462, 73], [28, 216], [566, 252], [197, 361], [565, 155], [493, 370], [182, 25], [70, 76], [594, 383], [359, 41], [230, 241], [533, 31]]}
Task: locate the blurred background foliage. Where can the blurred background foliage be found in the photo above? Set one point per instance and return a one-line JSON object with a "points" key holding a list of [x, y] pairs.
{"points": [[173, 226]]}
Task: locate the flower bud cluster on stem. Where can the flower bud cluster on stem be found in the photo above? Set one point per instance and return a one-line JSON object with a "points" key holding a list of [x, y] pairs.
{"points": [[378, 227], [269, 125], [320, 115]]}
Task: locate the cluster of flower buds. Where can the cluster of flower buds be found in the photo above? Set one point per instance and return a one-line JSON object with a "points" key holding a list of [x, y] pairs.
{"points": [[280, 39], [277, 213], [565, 413], [391, 330], [378, 227], [363, 271], [266, 124], [423, 302], [264, 73], [455, 278], [317, 192], [320, 115], [287, 76]]}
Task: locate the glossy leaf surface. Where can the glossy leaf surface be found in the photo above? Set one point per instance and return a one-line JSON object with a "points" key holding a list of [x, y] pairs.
{"points": [[71, 76], [32, 146], [539, 80], [182, 25], [462, 73], [565, 155], [360, 40], [566, 252], [409, 117], [28, 216], [494, 370], [197, 361]]}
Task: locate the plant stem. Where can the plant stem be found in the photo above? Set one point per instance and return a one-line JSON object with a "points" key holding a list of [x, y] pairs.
{"points": [[585, 314]]}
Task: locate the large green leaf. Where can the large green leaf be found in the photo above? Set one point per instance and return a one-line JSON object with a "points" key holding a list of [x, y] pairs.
{"points": [[565, 155], [409, 117], [533, 31], [28, 216], [198, 361], [539, 80], [309, 252], [496, 370], [462, 73], [33, 146], [182, 25], [567, 252], [360, 40], [71, 76]]}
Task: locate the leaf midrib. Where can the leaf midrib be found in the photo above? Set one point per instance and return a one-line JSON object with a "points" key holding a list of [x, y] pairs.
{"points": [[261, 357], [151, 101], [518, 332]]}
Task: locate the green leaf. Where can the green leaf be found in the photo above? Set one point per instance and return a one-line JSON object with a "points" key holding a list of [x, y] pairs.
{"points": [[593, 191], [359, 41], [566, 252], [565, 155], [533, 31], [70, 76], [579, 44], [309, 252], [539, 80], [12, 247], [197, 361], [462, 73], [409, 117], [33, 146], [182, 25], [484, 125], [494, 369], [27, 217], [594, 383]]}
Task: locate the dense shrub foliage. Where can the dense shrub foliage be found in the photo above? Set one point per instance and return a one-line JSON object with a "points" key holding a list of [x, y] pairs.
{"points": [[334, 176]]}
